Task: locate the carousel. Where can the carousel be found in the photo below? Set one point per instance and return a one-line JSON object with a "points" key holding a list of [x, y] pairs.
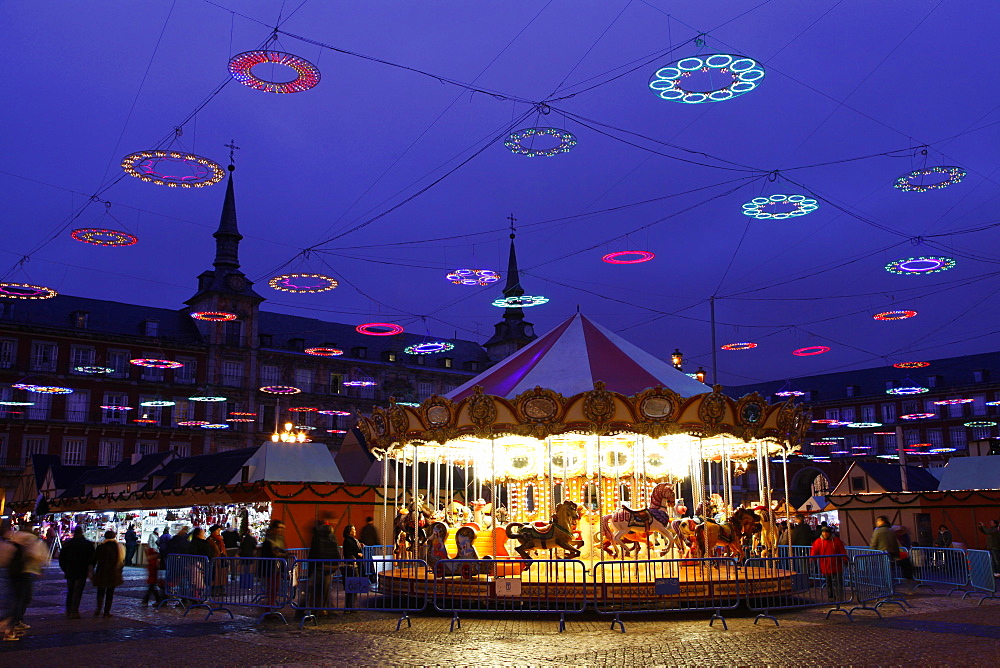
{"points": [[579, 446]]}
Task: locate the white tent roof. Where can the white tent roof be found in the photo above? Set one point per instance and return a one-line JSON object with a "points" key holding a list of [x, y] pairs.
{"points": [[970, 473], [293, 462]]}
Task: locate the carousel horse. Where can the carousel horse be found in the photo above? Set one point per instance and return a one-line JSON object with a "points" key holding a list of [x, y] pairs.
{"points": [[482, 514], [561, 532], [766, 540], [685, 536], [457, 514], [617, 525], [729, 534], [409, 526]]}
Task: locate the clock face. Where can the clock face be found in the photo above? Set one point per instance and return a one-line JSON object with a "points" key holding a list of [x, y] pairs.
{"points": [[235, 282]]}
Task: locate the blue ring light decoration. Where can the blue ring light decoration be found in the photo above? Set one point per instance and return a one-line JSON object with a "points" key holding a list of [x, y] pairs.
{"points": [[746, 74], [428, 348], [802, 205], [515, 142], [523, 301]]}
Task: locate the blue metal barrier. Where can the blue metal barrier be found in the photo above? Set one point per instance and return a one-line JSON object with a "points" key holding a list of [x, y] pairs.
{"points": [[872, 581], [661, 585], [795, 582], [252, 582], [509, 585], [327, 585], [940, 565], [981, 578], [186, 577], [376, 558]]}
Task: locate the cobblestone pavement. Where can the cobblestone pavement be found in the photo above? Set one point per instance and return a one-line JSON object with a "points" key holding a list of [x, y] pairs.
{"points": [[936, 631]]}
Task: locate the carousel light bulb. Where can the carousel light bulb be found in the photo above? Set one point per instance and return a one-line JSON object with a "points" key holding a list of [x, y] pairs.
{"points": [[275, 437], [288, 426]]}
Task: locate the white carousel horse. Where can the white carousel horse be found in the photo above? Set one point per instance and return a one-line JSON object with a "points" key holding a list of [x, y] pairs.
{"points": [[656, 517]]}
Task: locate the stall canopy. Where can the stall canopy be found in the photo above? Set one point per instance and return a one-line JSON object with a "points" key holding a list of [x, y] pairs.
{"points": [[970, 473], [292, 462], [571, 357]]}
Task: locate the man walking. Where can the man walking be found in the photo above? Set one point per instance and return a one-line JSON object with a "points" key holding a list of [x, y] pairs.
{"points": [[74, 560], [131, 544], [24, 556], [993, 543]]}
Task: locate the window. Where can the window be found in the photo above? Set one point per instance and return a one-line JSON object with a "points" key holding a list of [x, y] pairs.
{"points": [[980, 433], [935, 437], [933, 381], [186, 374], [8, 349], [43, 356], [335, 383], [389, 355], [111, 416], [150, 328], [852, 390], [234, 333], [79, 319], [42, 407], [910, 407], [80, 356], [424, 390], [889, 443], [143, 448], [73, 451], [266, 340], [446, 362], [847, 414], [420, 359], [870, 441], [888, 412], [360, 352], [959, 437], [868, 414], [149, 412], [109, 451], [183, 409], [956, 410], [118, 360], [151, 374], [471, 365], [232, 373], [911, 436], [34, 445], [857, 483], [979, 404], [78, 406], [851, 441], [3, 449], [980, 376], [833, 414], [297, 345], [182, 449], [269, 375], [368, 392], [303, 379]]}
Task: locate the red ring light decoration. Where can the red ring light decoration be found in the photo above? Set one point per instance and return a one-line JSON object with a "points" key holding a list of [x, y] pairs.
{"points": [[112, 407], [214, 316], [200, 172], [336, 431], [894, 315], [26, 291], [241, 66], [885, 433], [742, 345], [824, 443], [811, 350], [192, 423], [145, 421], [643, 256], [917, 416], [280, 389], [303, 409], [242, 414], [367, 329], [324, 352], [101, 237], [156, 364], [826, 421], [911, 365], [334, 412], [953, 402]]}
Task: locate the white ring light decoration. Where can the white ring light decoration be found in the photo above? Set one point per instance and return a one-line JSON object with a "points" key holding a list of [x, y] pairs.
{"points": [[802, 205], [744, 75]]}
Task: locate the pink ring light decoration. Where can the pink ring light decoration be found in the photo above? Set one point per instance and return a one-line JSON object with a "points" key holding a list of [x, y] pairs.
{"points": [[324, 352], [644, 256], [303, 409], [367, 327], [811, 350], [336, 431]]}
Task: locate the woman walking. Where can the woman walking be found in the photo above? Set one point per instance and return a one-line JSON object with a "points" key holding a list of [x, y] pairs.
{"points": [[108, 561]]}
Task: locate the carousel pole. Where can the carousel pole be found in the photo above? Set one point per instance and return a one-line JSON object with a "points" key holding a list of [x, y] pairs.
{"points": [[385, 492], [414, 516], [784, 467]]}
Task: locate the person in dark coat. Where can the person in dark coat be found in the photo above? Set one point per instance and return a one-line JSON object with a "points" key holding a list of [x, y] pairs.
{"points": [[352, 550], [324, 546], [178, 544], [943, 538], [231, 539], [74, 560], [271, 571], [993, 543], [802, 534], [369, 533], [108, 561], [131, 544], [198, 544], [162, 542]]}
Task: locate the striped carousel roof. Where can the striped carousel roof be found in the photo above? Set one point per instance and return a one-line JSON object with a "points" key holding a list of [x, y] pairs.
{"points": [[571, 357]]}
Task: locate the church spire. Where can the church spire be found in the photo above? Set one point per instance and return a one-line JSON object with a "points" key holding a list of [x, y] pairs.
{"points": [[513, 332], [228, 237]]}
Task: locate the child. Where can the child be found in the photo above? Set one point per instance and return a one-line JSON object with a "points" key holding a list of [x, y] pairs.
{"points": [[152, 576]]}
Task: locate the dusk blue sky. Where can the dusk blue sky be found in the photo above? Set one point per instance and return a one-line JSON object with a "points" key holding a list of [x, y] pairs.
{"points": [[844, 80]]}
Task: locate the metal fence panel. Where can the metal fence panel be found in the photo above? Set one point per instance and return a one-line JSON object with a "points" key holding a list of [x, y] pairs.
{"points": [[509, 585], [264, 583], [658, 585], [186, 578], [872, 580], [323, 585], [981, 578], [940, 565], [377, 558], [798, 581]]}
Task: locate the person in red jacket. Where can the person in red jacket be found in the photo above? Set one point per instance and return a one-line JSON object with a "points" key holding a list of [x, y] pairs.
{"points": [[152, 577], [834, 558]]}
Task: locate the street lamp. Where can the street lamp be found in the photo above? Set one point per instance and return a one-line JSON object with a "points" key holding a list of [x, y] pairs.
{"points": [[677, 358]]}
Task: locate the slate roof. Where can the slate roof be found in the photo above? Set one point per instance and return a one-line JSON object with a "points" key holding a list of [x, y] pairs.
{"points": [[888, 477], [951, 372], [282, 328], [218, 468], [40, 465], [104, 317], [64, 475]]}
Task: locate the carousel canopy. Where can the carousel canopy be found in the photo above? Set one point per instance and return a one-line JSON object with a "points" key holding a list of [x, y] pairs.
{"points": [[571, 357]]}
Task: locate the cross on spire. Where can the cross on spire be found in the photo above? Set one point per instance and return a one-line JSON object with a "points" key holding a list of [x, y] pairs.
{"points": [[512, 220], [232, 147]]}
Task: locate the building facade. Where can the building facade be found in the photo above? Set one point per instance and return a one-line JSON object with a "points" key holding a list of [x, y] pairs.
{"points": [[89, 345]]}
